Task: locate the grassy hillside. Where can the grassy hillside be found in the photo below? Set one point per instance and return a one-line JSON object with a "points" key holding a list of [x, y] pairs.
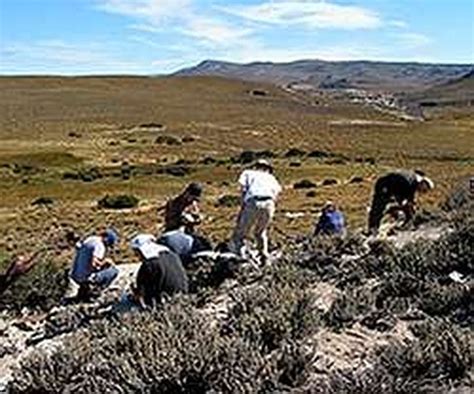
{"points": [[71, 139]]}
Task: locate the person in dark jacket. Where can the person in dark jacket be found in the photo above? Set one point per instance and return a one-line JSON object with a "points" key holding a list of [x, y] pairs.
{"points": [[401, 187], [161, 273], [331, 221], [187, 203]]}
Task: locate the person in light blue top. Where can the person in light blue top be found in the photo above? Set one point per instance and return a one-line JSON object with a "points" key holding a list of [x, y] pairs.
{"points": [[91, 267], [331, 221], [182, 243]]}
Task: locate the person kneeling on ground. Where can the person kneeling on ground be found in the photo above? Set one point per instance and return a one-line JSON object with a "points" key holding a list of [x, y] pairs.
{"points": [[259, 191], [91, 270], [331, 221], [400, 186], [186, 203], [161, 272]]}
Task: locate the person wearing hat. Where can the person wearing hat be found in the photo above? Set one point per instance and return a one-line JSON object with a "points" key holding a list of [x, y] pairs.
{"points": [[400, 187], [187, 203], [331, 221], [91, 269], [161, 272], [259, 192]]}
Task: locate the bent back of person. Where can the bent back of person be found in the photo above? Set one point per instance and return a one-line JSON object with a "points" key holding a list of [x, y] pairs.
{"points": [[159, 276]]}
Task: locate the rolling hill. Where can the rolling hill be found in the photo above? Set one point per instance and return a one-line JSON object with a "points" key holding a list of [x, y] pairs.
{"points": [[346, 74], [457, 92]]}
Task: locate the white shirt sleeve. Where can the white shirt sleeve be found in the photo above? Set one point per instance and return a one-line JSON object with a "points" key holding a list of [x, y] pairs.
{"points": [[276, 187], [99, 250]]}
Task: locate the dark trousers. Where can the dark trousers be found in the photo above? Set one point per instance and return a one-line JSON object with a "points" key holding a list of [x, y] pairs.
{"points": [[377, 210]]}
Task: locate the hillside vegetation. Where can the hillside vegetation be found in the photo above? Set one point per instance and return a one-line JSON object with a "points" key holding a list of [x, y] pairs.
{"points": [[150, 136]]}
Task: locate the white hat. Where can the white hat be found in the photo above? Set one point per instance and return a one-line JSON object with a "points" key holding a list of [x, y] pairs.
{"points": [[328, 204], [262, 163], [424, 179], [147, 246], [429, 182]]}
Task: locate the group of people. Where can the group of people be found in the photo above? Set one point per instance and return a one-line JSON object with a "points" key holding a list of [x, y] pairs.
{"points": [[164, 258]]}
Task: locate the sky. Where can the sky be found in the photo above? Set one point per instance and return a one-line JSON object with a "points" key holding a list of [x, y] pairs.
{"points": [[76, 37]]}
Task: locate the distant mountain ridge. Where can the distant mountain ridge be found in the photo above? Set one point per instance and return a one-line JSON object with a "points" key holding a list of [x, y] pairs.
{"points": [[332, 75]]}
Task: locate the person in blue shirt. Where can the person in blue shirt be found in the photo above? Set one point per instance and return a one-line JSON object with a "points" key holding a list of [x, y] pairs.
{"points": [[331, 221], [91, 268], [182, 243]]}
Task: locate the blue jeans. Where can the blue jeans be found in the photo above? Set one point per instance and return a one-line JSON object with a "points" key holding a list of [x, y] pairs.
{"points": [[104, 277]]}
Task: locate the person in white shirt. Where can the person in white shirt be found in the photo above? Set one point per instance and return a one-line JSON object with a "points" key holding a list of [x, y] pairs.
{"points": [[259, 192]]}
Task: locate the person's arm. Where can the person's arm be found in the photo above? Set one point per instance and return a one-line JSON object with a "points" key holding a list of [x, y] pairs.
{"points": [[319, 226], [99, 261], [409, 208], [243, 182], [277, 189]]}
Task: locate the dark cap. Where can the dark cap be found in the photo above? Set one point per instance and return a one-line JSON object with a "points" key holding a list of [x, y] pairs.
{"points": [[110, 237], [194, 189], [265, 164]]}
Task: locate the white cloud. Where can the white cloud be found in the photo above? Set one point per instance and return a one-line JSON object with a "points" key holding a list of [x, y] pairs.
{"points": [[310, 14], [413, 40], [55, 56], [214, 31], [161, 16], [399, 24], [152, 11]]}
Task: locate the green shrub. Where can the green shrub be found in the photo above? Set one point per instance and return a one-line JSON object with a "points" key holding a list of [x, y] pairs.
{"points": [[41, 288], [228, 200], [120, 201]]}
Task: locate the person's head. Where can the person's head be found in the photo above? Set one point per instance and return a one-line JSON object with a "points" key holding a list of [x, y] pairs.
{"points": [[263, 165], [145, 246], [193, 192], [110, 237], [425, 184], [329, 206]]}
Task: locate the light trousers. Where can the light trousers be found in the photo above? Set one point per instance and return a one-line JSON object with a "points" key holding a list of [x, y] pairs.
{"points": [[256, 214]]}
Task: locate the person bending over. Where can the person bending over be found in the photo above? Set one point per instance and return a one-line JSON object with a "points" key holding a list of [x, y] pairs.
{"points": [[161, 273], [185, 203], [398, 186], [259, 192]]}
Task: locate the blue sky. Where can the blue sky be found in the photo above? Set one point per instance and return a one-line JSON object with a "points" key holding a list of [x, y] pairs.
{"points": [[160, 36]]}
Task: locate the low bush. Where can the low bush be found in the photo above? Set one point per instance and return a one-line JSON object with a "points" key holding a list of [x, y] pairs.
{"points": [[120, 201], [43, 201], [249, 156], [228, 200], [167, 140], [84, 175], [39, 289], [294, 152], [304, 184], [437, 361], [329, 182]]}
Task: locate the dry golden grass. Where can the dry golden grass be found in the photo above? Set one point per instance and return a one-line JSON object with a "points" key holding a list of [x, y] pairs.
{"points": [[37, 116]]}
